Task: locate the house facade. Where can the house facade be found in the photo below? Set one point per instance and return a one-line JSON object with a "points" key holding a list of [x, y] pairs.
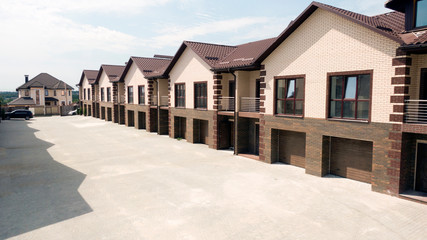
{"points": [[146, 99], [43, 94], [335, 93], [86, 89]]}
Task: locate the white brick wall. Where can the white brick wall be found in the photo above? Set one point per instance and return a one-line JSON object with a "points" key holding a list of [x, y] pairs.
{"points": [[324, 43], [418, 62]]}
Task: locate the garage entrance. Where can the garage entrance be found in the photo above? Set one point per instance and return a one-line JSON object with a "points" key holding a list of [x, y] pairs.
{"points": [[421, 167], [180, 127], [122, 115], [351, 158], [291, 147], [226, 132], [89, 110], [131, 118], [200, 131], [116, 114], [141, 120], [109, 114], [102, 112]]}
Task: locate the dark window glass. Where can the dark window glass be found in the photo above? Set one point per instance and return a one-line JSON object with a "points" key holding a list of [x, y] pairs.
{"points": [[102, 94], [201, 95], [130, 95], [54, 93], [141, 95], [84, 93], [350, 96], [180, 95], [290, 96], [46, 92], [421, 13], [108, 94]]}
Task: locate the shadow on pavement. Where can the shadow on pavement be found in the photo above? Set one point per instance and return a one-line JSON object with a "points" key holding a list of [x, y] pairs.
{"points": [[35, 190]]}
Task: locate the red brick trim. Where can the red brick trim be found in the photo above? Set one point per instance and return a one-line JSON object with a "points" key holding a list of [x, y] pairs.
{"points": [[401, 90], [399, 108], [398, 99], [400, 80], [396, 118], [400, 61], [402, 71]]}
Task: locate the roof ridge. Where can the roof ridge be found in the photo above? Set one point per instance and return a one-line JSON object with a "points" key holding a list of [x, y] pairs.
{"points": [[152, 58], [213, 44]]}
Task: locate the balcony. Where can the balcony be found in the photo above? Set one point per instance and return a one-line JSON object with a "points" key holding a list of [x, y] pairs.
{"points": [[154, 100], [122, 99], [164, 101], [249, 104], [226, 104], [416, 111]]}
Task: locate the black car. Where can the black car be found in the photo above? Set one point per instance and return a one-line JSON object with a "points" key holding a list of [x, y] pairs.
{"points": [[21, 113]]}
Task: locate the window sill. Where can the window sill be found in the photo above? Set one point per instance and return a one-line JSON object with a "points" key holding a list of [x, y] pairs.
{"points": [[201, 109], [180, 107], [347, 120], [289, 116]]}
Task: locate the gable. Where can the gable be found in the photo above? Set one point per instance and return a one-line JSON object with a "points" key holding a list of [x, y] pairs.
{"points": [[190, 67]]}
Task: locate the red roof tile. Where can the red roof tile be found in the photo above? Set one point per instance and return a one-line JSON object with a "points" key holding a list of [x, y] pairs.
{"points": [[90, 75], [151, 66], [114, 72]]}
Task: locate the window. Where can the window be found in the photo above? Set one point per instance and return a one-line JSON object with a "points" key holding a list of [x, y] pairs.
{"points": [[46, 92], [421, 13], [88, 94], [102, 94], [290, 96], [200, 95], [130, 94], [54, 93], [69, 93], [350, 96], [180, 95], [108, 94], [141, 95], [27, 93], [84, 93], [62, 93]]}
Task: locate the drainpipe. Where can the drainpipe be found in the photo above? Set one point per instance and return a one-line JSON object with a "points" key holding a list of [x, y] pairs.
{"points": [[236, 114], [158, 106]]}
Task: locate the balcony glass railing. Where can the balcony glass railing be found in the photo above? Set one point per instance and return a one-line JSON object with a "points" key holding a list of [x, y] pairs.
{"points": [[154, 100], [226, 104], [164, 101], [249, 104], [416, 111]]}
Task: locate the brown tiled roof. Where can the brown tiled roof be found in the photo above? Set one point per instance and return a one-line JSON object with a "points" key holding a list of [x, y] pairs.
{"points": [[210, 53], [244, 55], [148, 66], [90, 75], [22, 101], [114, 72], [45, 80]]}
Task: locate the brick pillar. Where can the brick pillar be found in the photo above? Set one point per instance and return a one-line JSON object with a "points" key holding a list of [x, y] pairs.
{"points": [[401, 82], [169, 111], [217, 87], [262, 129]]}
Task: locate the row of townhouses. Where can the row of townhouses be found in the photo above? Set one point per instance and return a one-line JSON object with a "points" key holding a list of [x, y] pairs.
{"points": [[335, 93]]}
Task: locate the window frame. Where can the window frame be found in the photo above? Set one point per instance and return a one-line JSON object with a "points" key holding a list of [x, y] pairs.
{"points": [[102, 95], [195, 95], [414, 17], [289, 77], [27, 93], [347, 74], [139, 95], [84, 93], [176, 96], [54, 93], [46, 92], [108, 94], [129, 96], [62, 92]]}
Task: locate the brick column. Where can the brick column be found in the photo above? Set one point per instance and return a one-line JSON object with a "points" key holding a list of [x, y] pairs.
{"points": [[262, 129], [401, 82], [149, 116], [169, 109], [217, 87]]}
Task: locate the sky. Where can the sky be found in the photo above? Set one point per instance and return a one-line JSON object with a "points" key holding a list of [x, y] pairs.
{"points": [[63, 37]]}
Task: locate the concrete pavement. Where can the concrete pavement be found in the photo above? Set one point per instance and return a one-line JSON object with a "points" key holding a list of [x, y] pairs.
{"points": [[84, 178]]}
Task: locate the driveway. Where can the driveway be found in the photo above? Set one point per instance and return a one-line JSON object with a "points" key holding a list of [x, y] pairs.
{"points": [[84, 178]]}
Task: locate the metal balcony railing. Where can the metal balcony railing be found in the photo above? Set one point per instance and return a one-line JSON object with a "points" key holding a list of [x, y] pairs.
{"points": [[226, 104], [249, 104], [416, 111], [164, 101], [154, 100]]}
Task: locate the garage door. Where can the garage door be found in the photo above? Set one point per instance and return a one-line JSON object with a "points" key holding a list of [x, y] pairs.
{"points": [[204, 132], [351, 159], [292, 148]]}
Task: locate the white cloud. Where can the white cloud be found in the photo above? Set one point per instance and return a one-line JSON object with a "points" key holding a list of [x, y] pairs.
{"points": [[174, 35]]}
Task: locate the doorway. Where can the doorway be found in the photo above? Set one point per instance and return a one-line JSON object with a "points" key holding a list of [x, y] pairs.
{"points": [[421, 167]]}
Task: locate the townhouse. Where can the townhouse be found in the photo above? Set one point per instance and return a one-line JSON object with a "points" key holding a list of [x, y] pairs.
{"points": [[43, 95], [335, 93], [146, 98], [86, 84], [108, 99]]}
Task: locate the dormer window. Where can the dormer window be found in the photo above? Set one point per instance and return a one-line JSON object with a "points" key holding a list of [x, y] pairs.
{"points": [[421, 13]]}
